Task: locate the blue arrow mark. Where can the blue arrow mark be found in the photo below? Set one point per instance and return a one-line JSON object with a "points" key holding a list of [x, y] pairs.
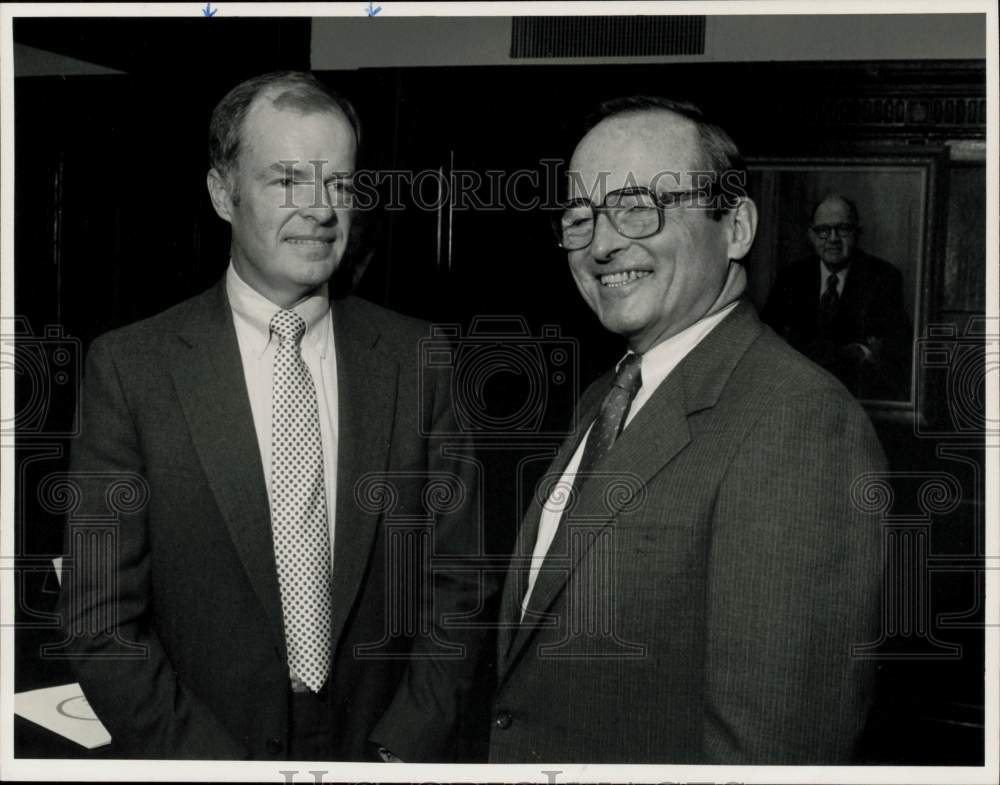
{"points": [[373, 9], [208, 10]]}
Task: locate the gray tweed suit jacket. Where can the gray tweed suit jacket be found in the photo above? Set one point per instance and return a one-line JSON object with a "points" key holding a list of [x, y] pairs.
{"points": [[702, 596]]}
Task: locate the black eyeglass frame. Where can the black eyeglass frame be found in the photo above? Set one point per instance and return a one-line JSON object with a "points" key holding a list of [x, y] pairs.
{"points": [[822, 231], [662, 202]]}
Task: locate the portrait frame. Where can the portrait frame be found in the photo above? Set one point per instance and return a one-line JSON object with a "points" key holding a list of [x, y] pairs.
{"points": [[908, 230]]}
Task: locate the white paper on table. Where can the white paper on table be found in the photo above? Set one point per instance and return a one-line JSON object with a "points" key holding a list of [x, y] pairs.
{"points": [[63, 710]]}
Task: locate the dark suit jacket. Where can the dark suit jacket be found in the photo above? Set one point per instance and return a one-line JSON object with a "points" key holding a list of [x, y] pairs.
{"points": [[701, 597], [870, 312], [175, 622]]}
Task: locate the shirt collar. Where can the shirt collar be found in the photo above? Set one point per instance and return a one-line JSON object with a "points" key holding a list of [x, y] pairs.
{"points": [[840, 272], [660, 360], [256, 312]]}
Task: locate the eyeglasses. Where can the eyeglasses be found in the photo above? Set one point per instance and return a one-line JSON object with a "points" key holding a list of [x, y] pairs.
{"points": [[634, 213], [822, 231]]}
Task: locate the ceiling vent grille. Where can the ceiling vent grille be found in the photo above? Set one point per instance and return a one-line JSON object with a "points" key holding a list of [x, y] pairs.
{"points": [[606, 36]]}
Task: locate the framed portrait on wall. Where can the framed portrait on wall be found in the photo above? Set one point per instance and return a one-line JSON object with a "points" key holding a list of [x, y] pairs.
{"points": [[843, 266]]}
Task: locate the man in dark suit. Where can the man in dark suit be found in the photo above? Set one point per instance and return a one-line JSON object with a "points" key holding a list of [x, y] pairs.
{"points": [[843, 308], [266, 590], [691, 576]]}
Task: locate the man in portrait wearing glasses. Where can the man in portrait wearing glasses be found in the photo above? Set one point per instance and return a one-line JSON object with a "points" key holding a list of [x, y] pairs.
{"points": [[692, 573], [843, 308]]}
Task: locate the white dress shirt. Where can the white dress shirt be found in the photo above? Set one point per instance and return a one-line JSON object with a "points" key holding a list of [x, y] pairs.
{"points": [[656, 365], [252, 314]]}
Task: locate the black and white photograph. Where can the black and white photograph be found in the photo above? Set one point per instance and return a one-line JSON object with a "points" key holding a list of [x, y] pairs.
{"points": [[499, 392]]}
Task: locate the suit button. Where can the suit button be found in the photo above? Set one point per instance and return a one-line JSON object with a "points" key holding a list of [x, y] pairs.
{"points": [[502, 720], [273, 746]]}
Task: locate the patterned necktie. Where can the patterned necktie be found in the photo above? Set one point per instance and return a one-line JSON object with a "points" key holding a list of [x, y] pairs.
{"points": [[607, 426], [298, 507], [828, 305], [611, 417]]}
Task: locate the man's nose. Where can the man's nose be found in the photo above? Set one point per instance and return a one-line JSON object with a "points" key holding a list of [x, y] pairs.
{"points": [[321, 205], [607, 240]]}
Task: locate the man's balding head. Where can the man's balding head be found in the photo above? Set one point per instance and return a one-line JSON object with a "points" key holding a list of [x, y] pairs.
{"points": [[649, 254]]}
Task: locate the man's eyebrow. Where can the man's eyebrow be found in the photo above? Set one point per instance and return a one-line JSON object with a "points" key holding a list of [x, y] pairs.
{"points": [[307, 170], [287, 168]]}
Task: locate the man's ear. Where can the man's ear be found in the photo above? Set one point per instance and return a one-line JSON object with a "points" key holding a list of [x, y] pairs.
{"points": [[742, 228], [220, 190]]}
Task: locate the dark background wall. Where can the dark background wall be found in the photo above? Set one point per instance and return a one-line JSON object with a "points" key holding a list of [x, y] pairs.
{"points": [[112, 224]]}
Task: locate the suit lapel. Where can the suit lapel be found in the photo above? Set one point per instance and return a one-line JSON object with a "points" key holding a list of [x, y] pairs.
{"points": [[366, 390], [657, 433], [654, 437], [208, 374], [211, 386], [857, 287], [510, 606], [812, 287]]}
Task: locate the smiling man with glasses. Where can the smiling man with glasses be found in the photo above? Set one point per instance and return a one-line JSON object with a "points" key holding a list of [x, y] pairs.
{"points": [[691, 574], [843, 308]]}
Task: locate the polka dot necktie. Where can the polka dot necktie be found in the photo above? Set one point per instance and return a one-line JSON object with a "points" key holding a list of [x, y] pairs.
{"points": [[611, 417], [298, 507]]}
